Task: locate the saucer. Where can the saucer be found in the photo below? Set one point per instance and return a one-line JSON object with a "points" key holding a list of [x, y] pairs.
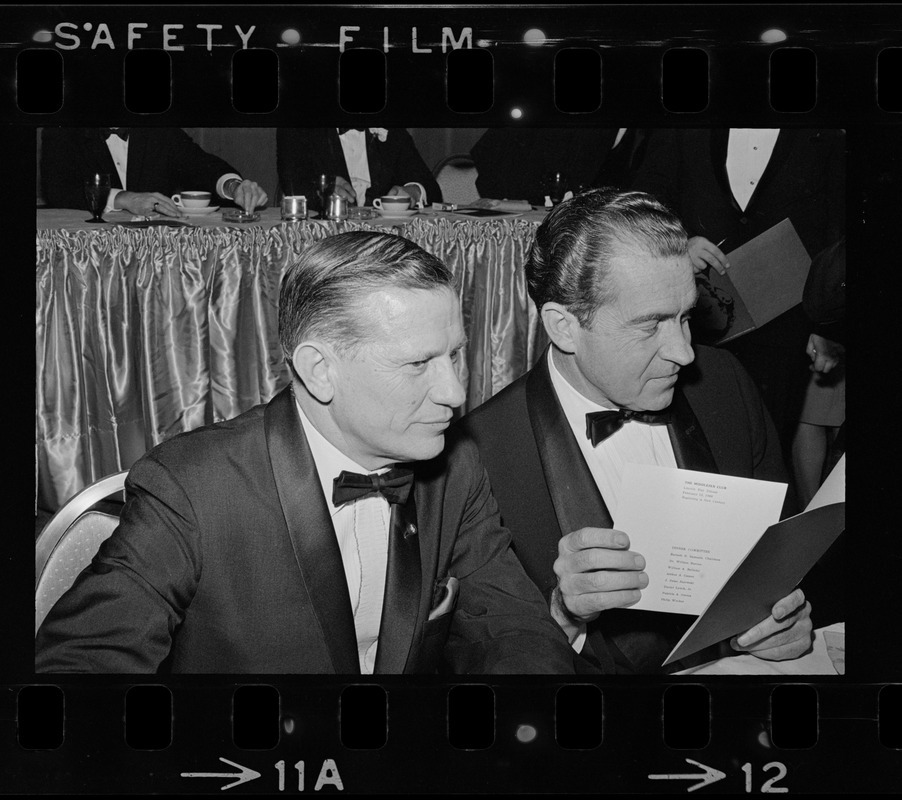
{"points": [[406, 212], [198, 212]]}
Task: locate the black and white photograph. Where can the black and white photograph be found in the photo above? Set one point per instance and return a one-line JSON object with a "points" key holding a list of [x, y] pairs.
{"points": [[495, 328], [453, 399]]}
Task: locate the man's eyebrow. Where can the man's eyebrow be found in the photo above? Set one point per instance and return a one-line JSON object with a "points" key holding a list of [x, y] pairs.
{"points": [[425, 355], [660, 316], [655, 316]]}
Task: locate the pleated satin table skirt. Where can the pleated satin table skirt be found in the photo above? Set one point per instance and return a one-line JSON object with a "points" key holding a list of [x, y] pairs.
{"points": [[146, 332]]}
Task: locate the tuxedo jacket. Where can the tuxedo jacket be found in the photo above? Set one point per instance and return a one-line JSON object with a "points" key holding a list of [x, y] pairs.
{"points": [[512, 162], [226, 561], [302, 154], [164, 160], [545, 490], [804, 180]]}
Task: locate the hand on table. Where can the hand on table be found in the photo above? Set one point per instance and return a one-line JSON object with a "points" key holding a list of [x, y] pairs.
{"points": [[704, 254], [145, 203], [411, 191], [595, 572], [824, 354], [785, 634], [343, 188], [249, 195]]}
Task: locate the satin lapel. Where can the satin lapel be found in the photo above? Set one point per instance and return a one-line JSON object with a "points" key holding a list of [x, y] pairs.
{"points": [[137, 152], [783, 147], [402, 590], [577, 501], [720, 139], [618, 158], [690, 447], [380, 177], [311, 532], [337, 154], [99, 153]]}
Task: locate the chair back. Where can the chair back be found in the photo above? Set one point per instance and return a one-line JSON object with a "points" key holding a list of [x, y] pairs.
{"points": [[456, 177], [69, 541]]}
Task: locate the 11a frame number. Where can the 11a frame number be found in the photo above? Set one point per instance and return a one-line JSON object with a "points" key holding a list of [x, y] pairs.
{"points": [[328, 775]]}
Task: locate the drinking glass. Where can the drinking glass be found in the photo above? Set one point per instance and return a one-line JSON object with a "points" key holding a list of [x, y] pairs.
{"points": [[324, 186], [97, 190], [555, 185]]}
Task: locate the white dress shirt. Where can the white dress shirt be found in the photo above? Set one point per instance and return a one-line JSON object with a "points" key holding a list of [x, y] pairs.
{"points": [[361, 528], [118, 148], [635, 442], [748, 151], [353, 145]]}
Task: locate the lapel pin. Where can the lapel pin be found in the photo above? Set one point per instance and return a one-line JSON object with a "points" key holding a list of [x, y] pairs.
{"points": [[410, 530]]}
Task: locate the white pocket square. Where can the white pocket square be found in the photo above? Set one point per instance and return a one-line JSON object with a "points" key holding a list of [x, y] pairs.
{"points": [[444, 597]]}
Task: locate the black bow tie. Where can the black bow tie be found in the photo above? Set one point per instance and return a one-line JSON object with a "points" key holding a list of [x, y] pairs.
{"points": [[122, 133], [342, 131], [601, 424], [394, 485]]}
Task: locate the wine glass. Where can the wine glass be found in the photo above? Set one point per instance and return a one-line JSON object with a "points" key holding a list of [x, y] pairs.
{"points": [[555, 185], [324, 185], [97, 190]]}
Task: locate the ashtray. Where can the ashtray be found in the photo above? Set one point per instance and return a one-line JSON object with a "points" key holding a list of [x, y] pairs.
{"points": [[237, 215], [361, 212]]}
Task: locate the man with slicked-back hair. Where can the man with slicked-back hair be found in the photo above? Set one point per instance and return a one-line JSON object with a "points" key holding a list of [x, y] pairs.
{"points": [[611, 276], [330, 530]]}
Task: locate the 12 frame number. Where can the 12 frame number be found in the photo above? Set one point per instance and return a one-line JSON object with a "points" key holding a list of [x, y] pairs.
{"points": [[769, 786]]}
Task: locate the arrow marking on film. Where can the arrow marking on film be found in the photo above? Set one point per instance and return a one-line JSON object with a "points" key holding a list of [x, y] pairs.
{"points": [[710, 775], [243, 777]]}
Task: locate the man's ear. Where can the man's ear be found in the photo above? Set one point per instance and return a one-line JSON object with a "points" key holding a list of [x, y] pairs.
{"points": [[560, 325], [311, 362]]}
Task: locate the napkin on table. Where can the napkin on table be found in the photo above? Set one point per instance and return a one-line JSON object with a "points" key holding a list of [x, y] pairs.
{"points": [[503, 205]]}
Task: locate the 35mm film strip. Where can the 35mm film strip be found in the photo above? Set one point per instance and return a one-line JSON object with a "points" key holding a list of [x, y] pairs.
{"points": [[466, 67]]}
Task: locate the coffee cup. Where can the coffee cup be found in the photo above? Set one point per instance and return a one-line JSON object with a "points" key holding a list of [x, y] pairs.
{"points": [[392, 204], [192, 199]]}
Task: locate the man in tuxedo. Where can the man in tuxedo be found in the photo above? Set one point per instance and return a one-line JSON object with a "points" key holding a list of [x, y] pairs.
{"points": [[611, 276], [146, 167], [514, 163], [366, 163], [328, 531], [729, 185]]}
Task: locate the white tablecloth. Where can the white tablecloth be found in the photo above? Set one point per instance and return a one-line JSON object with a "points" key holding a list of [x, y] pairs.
{"points": [[826, 658]]}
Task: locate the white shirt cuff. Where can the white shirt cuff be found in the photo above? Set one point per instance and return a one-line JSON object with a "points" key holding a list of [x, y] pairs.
{"points": [[220, 184], [422, 203], [573, 630], [109, 201]]}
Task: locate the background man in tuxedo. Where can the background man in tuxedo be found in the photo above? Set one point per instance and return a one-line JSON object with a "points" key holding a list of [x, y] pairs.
{"points": [[729, 185], [513, 163], [611, 276], [366, 162], [146, 167], [287, 540]]}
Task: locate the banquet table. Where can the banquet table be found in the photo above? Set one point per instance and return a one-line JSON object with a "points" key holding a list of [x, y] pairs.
{"points": [[144, 331], [826, 657]]}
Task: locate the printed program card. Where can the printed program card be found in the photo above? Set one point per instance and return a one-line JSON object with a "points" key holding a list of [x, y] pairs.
{"points": [[693, 529], [776, 564]]}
